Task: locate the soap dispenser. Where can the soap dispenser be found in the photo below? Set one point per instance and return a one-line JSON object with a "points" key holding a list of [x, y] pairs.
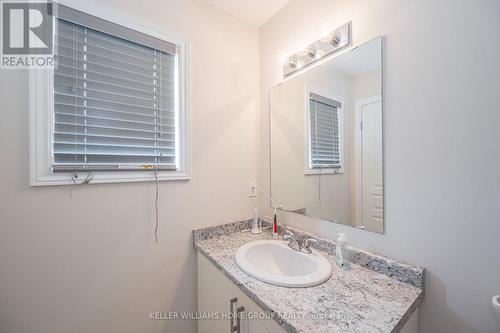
{"points": [[256, 228], [342, 252]]}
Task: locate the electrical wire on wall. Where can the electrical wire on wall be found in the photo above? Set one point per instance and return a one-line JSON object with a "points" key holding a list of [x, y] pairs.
{"points": [[156, 171], [319, 188], [158, 105], [74, 177], [157, 194]]}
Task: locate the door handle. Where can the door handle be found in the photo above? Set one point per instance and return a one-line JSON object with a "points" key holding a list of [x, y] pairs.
{"points": [[238, 318], [235, 328], [232, 328]]}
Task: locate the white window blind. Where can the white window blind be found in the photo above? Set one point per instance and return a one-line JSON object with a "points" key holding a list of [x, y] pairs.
{"points": [[113, 99], [324, 132]]}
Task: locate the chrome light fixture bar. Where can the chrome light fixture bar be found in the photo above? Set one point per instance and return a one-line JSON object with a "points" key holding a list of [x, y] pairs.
{"points": [[333, 42]]}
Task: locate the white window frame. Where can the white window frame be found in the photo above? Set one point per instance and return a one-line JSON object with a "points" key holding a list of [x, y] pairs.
{"points": [[307, 107], [41, 108]]}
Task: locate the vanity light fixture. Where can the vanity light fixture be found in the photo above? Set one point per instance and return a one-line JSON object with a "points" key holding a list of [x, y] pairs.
{"points": [[331, 43]]}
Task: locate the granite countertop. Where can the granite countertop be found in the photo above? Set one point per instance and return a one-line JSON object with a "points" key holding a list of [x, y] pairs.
{"points": [[377, 295]]}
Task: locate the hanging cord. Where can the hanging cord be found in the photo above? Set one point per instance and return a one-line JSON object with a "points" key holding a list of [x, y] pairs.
{"points": [[274, 203], [74, 176], [158, 118], [319, 188], [157, 194], [156, 170]]}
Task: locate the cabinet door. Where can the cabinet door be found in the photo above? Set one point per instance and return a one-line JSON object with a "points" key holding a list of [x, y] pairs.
{"points": [[260, 321], [213, 297], [215, 292]]}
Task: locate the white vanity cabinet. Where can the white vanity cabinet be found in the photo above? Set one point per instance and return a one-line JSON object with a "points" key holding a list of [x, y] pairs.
{"points": [[217, 295]]}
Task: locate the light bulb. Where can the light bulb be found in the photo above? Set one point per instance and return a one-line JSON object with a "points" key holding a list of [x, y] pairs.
{"points": [[326, 31], [319, 54], [282, 58]]}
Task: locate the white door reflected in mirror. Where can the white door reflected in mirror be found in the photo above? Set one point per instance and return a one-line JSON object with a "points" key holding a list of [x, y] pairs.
{"points": [[370, 183]]}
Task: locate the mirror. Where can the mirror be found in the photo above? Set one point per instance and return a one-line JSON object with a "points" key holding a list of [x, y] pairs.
{"points": [[326, 140]]}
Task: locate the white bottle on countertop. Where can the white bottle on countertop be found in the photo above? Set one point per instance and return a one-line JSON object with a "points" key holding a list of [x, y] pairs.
{"points": [[342, 252], [255, 222]]}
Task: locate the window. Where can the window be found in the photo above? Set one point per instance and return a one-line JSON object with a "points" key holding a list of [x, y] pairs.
{"points": [[324, 129], [113, 103], [116, 103]]}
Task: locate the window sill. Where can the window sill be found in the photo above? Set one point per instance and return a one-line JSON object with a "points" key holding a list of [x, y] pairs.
{"points": [[323, 171], [54, 179]]}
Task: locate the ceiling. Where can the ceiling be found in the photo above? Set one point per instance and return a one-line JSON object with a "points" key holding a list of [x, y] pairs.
{"points": [[253, 12]]}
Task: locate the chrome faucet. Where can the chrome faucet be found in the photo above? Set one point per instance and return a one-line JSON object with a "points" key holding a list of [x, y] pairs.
{"points": [[293, 243], [307, 245], [296, 244]]}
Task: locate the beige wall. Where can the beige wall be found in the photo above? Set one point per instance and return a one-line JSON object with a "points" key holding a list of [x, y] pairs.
{"points": [[441, 134], [365, 85], [90, 264]]}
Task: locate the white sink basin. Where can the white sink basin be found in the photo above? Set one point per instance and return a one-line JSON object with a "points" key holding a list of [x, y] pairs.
{"points": [[272, 261]]}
